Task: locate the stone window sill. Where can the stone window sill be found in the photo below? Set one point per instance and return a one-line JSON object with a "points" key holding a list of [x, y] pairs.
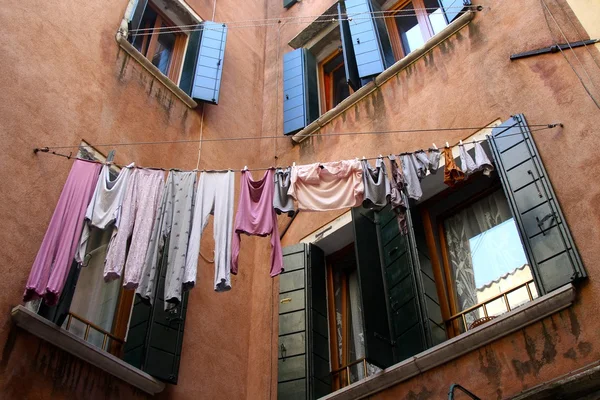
{"points": [[46, 330], [451, 349], [383, 77], [147, 64]]}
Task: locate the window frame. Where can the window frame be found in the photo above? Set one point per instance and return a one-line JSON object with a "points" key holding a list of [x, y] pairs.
{"points": [[423, 21], [326, 80], [150, 42]]}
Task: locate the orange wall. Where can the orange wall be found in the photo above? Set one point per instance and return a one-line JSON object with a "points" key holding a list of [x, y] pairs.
{"points": [[64, 78]]}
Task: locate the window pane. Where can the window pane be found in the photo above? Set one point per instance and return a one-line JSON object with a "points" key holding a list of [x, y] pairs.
{"points": [[409, 29], [142, 39], [164, 50], [340, 85], [436, 15], [486, 256]]}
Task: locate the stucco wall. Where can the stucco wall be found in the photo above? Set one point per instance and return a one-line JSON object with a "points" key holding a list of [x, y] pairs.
{"points": [[469, 81], [64, 78]]}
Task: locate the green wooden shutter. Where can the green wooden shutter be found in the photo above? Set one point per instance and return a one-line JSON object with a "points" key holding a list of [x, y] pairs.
{"points": [[547, 240], [378, 343], [300, 95], [371, 43], [414, 312], [303, 356], [348, 50], [453, 8], [155, 336], [188, 71]]}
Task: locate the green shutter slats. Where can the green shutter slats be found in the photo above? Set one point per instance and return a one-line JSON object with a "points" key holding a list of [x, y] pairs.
{"points": [[300, 99], [348, 50], [371, 44], [548, 243], [209, 63]]}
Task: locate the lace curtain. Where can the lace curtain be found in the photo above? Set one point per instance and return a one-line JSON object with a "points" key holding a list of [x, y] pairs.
{"points": [[459, 228]]}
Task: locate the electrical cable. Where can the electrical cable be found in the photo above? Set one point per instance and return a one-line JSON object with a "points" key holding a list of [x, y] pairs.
{"points": [[581, 37], [47, 150]]}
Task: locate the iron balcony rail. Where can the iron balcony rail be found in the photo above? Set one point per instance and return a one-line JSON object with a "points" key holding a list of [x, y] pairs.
{"points": [[484, 304], [346, 368], [90, 325]]}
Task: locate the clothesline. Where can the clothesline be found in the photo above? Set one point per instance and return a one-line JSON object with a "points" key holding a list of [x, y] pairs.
{"points": [[69, 156]]}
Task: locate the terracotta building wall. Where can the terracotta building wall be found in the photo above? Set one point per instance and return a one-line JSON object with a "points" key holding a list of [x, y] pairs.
{"points": [[64, 78], [469, 81]]}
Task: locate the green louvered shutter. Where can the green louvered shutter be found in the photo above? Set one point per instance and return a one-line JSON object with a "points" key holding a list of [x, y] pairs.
{"points": [[300, 95], [303, 356], [348, 50], [453, 8], [371, 43], [409, 288], [547, 240], [155, 336], [378, 343]]}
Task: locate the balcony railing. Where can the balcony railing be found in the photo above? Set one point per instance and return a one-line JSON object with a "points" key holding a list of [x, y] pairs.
{"points": [[462, 316], [342, 376], [90, 325]]}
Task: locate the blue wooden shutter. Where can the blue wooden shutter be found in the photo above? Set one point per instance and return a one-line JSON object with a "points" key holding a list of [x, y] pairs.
{"points": [[209, 62], [544, 233], [300, 100], [348, 50], [369, 38], [155, 336], [303, 352], [289, 3], [453, 8]]}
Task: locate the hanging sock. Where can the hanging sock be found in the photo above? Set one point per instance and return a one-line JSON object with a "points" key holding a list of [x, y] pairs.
{"points": [[398, 200], [482, 161], [330, 186], [105, 207], [411, 176], [282, 201], [140, 202], [466, 161], [53, 261], [452, 174], [377, 185], [421, 162], [256, 216], [213, 196], [434, 160], [170, 235]]}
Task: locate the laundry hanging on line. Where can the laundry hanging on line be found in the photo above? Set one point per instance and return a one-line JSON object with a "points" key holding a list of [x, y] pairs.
{"points": [[169, 217]]}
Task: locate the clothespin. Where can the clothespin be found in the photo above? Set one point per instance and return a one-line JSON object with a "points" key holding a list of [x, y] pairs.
{"points": [[293, 164], [245, 168], [110, 157], [460, 142], [364, 158], [447, 145], [380, 156], [434, 146]]}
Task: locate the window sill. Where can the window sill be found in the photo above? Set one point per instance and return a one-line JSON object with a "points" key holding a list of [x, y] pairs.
{"points": [[451, 349], [144, 62], [46, 330], [382, 78]]}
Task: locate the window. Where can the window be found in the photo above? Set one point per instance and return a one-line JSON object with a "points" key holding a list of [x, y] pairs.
{"points": [[192, 59], [114, 319], [359, 295], [334, 86], [164, 47], [413, 24]]}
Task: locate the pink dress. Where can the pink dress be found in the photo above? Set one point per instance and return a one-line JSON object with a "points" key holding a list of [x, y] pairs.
{"points": [[329, 186], [256, 216]]}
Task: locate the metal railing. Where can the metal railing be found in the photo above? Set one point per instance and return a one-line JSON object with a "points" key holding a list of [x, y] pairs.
{"points": [[346, 368], [455, 386], [484, 305], [90, 325]]}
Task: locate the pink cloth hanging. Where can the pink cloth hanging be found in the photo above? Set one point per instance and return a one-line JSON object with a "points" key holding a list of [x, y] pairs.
{"points": [[51, 266], [256, 216]]}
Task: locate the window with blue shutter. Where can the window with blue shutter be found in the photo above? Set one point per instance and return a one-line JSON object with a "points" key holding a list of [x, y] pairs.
{"points": [[371, 44], [550, 249], [300, 99]]}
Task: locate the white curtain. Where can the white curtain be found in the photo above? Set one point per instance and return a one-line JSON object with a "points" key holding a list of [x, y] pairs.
{"points": [[459, 228]]}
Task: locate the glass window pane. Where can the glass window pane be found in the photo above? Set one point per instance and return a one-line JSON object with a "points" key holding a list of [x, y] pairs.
{"points": [[164, 51], [409, 29], [436, 15], [486, 255]]}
